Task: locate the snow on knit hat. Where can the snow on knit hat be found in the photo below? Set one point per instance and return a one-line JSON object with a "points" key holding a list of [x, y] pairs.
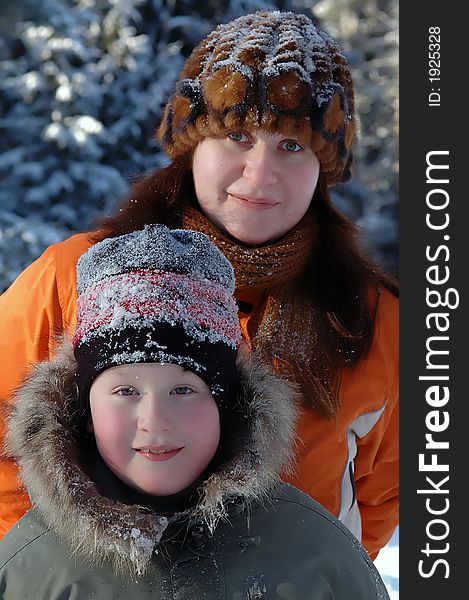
{"points": [[275, 70], [157, 295]]}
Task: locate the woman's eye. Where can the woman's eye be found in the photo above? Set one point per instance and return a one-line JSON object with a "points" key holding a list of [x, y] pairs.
{"points": [[126, 391], [291, 146], [183, 389], [238, 136]]}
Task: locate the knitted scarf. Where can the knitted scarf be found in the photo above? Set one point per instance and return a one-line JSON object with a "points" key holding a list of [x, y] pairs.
{"points": [[287, 332]]}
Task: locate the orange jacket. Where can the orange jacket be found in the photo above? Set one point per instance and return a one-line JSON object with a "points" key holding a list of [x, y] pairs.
{"points": [[349, 465]]}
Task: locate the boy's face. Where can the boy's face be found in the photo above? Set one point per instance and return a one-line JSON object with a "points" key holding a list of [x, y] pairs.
{"points": [[156, 425]]}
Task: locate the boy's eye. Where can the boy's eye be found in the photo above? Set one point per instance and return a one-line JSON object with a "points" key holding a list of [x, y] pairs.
{"points": [[125, 391], [182, 389], [238, 136], [291, 146]]}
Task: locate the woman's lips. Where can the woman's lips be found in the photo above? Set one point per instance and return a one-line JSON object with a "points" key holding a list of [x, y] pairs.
{"points": [[254, 203], [158, 455]]}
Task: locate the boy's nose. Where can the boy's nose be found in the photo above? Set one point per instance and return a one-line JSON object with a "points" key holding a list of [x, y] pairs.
{"points": [[260, 167], [154, 415]]}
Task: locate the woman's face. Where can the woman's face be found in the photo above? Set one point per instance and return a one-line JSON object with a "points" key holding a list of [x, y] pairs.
{"points": [[254, 185], [156, 426]]}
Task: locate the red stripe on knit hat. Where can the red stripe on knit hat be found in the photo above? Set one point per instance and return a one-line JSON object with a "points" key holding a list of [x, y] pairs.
{"points": [[143, 297]]}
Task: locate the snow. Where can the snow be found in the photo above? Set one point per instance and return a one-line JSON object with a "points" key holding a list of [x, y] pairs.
{"points": [[157, 248], [293, 49], [387, 564]]}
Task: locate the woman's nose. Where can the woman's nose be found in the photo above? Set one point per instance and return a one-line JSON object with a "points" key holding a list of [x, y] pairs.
{"points": [[154, 414], [260, 167]]}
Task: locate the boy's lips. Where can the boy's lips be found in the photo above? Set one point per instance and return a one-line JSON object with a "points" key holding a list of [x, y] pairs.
{"points": [[158, 453]]}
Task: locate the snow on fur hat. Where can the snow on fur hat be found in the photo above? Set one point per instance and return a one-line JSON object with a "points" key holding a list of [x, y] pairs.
{"points": [[275, 70], [157, 295]]}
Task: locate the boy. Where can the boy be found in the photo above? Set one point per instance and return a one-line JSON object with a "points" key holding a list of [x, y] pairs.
{"points": [[152, 453]]}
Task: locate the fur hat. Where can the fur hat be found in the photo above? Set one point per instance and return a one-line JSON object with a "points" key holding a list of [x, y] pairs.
{"points": [[275, 70], [157, 295]]}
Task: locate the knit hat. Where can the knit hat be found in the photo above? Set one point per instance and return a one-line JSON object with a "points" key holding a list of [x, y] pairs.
{"points": [[157, 295], [275, 70]]}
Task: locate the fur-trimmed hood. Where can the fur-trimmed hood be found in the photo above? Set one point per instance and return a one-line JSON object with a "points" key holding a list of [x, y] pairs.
{"points": [[41, 439]]}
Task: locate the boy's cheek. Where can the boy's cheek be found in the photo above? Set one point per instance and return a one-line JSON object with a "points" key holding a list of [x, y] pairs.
{"points": [[206, 427], [109, 423]]}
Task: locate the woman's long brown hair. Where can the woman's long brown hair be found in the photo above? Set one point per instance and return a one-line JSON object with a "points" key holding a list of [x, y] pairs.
{"points": [[342, 283]]}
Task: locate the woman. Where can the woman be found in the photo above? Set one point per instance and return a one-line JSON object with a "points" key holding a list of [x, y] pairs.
{"points": [[261, 124]]}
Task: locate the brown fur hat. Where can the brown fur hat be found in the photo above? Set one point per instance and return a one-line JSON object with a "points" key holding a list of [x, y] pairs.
{"points": [[275, 70]]}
